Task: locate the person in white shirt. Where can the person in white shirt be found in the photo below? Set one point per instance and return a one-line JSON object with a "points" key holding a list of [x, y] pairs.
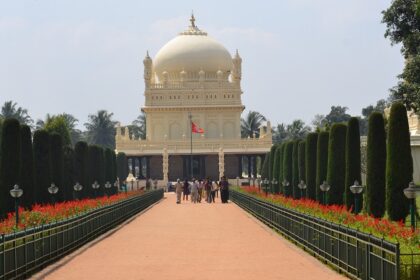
{"points": [[194, 191], [178, 189]]}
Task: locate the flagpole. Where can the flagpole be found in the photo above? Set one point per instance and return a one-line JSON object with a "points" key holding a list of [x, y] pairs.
{"points": [[191, 147]]}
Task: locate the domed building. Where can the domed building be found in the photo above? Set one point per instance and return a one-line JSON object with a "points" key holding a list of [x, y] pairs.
{"points": [[193, 81]]}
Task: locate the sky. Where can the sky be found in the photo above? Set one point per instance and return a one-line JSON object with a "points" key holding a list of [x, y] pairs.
{"points": [[300, 57]]}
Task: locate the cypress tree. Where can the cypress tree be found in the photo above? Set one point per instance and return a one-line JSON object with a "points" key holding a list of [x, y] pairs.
{"points": [[337, 163], [57, 164], [281, 156], [9, 163], [26, 174], [42, 165], [101, 167], [114, 172], [69, 173], [295, 169], [301, 162], [96, 170], [353, 164], [310, 164], [321, 162], [271, 166], [376, 164], [264, 169], [122, 167], [109, 177], [288, 168], [81, 165], [399, 163], [276, 167]]}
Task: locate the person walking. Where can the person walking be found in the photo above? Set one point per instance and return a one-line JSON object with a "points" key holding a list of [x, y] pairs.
{"points": [[207, 186], [214, 189], [178, 190], [200, 190], [224, 190], [186, 190], [194, 191]]}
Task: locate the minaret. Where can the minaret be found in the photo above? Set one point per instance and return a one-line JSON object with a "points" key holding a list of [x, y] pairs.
{"points": [[237, 69], [147, 61]]}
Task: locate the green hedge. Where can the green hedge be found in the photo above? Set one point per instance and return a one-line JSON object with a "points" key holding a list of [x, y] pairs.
{"points": [[310, 164], [336, 163], [276, 167], [301, 159], [353, 165], [57, 164], [81, 168], [399, 164], [26, 177], [288, 168], [42, 166], [321, 162], [295, 169], [69, 173], [376, 163]]}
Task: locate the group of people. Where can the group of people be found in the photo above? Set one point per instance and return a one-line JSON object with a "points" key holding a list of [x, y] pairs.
{"points": [[199, 190]]}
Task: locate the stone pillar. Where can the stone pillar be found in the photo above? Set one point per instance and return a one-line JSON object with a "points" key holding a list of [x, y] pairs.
{"points": [[221, 163], [240, 166], [165, 165]]}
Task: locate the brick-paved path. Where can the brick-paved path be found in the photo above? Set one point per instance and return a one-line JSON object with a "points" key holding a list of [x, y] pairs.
{"points": [[191, 241]]}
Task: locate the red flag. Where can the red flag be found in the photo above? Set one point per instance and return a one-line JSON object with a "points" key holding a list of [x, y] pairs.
{"points": [[196, 129]]}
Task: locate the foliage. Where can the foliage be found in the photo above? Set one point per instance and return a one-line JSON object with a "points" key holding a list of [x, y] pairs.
{"points": [[122, 166], [287, 168], [336, 163], [271, 162], [295, 170], [276, 166], [321, 162], [297, 130], [138, 127], [109, 175], [310, 164], [399, 164], [337, 114], [264, 169], [352, 160], [68, 173], [96, 170], [57, 164], [251, 124], [9, 163], [376, 162], [281, 156], [81, 164], [56, 123], [41, 147], [9, 111], [363, 121], [301, 160], [26, 173], [101, 129]]}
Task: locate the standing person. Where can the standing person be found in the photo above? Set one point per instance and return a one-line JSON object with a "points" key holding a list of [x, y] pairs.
{"points": [[214, 189], [207, 187], [224, 190], [200, 190], [178, 190], [186, 190], [194, 191]]}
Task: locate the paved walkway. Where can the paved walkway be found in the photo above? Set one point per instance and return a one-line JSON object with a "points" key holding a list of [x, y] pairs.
{"points": [[191, 241]]}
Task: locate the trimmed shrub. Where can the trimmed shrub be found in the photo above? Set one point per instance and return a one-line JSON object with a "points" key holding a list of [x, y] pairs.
{"points": [[288, 168], [337, 163], [271, 158], [42, 166], [9, 163], [276, 168], [353, 164], [81, 168], [281, 156], [69, 173], [96, 170], [264, 169], [57, 163], [310, 164], [321, 162], [399, 163], [114, 172], [295, 169], [301, 161], [376, 164], [26, 174], [122, 166]]}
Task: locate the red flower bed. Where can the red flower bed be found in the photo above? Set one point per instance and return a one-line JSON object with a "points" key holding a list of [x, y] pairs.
{"points": [[48, 213], [382, 228]]}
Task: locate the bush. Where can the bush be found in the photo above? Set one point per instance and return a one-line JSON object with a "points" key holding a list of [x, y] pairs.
{"points": [[9, 163], [376, 164], [81, 168], [58, 124], [57, 164], [69, 173], [353, 164], [301, 159], [310, 164], [42, 166], [288, 168], [295, 169], [336, 163], [26, 174], [399, 164], [321, 162]]}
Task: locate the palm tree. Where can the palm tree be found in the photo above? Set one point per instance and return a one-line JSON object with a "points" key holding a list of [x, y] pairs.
{"points": [[70, 121], [138, 127], [251, 124], [101, 129], [10, 110]]}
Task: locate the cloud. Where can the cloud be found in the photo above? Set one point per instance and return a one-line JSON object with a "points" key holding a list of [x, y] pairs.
{"points": [[11, 23]]}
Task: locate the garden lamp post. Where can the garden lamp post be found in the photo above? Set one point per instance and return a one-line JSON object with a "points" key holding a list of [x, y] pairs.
{"points": [[107, 188], [266, 182], [77, 188], [53, 190], [274, 183], [325, 188], [95, 187], [302, 187], [259, 184], [356, 189], [16, 192], [411, 193], [285, 184]]}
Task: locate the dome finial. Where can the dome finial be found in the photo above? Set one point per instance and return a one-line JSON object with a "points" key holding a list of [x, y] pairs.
{"points": [[192, 19]]}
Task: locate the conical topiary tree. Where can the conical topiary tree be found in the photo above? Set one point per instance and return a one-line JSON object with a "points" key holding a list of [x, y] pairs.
{"points": [[122, 167], [353, 164], [310, 164], [321, 162], [276, 167], [288, 168], [295, 169], [81, 168], [9, 163], [26, 174], [301, 163], [57, 164], [96, 170], [69, 173], [281, 156], [337, 163], [271, 158], [114, 172], [376, 164], [264, 169], [399, 163], [42, 163]]}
